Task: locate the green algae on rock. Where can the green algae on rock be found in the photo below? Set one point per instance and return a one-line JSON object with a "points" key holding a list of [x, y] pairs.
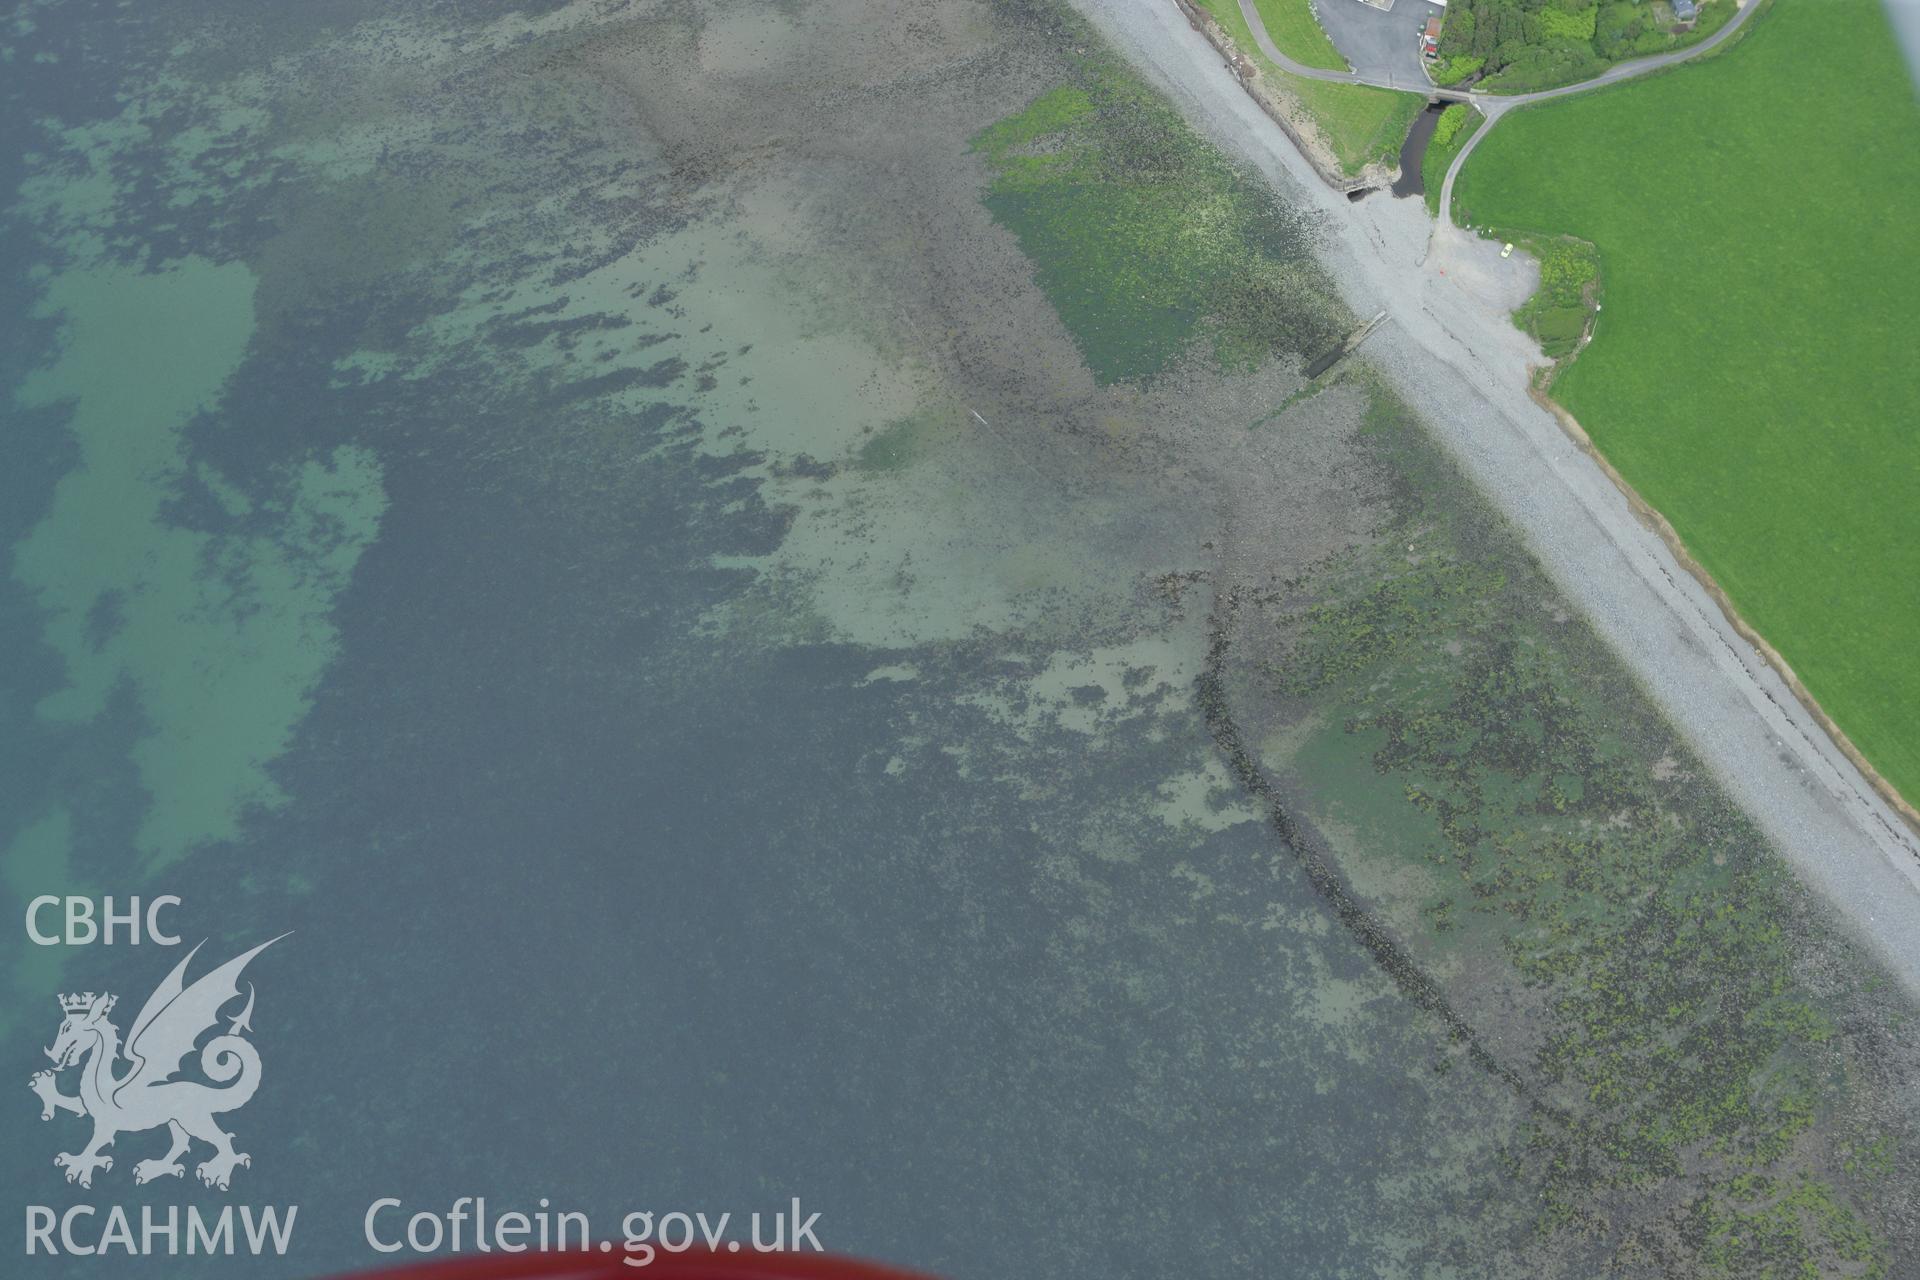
{"points": [[220, 633], [1144, 236], [1548, 849]]}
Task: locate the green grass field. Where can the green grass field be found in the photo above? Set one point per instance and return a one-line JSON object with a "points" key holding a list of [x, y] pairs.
{"points": [[1753, 374], [1299, 34], [1361, 124]]}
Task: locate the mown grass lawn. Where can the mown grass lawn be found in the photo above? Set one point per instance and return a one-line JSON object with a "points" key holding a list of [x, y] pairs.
{"points": [[1754, 374], [1299, 34], [1363, 124]]}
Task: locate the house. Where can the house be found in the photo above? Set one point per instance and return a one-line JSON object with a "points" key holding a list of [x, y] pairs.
{"points": [[1685, 13]]}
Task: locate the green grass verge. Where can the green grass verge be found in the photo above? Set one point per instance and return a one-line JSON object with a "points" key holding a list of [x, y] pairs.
{"points": [[1361, 124], [1364, 125], [1299, 34], [1445, 146], [1753, 374]]}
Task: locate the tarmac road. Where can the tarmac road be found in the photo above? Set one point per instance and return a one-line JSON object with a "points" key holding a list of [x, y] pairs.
{"points": [[1450, 348], [1381, 45]]}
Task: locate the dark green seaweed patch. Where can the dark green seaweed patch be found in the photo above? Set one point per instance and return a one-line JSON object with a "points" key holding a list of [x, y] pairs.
{"points": [[1653, 944], [1142, 235]]}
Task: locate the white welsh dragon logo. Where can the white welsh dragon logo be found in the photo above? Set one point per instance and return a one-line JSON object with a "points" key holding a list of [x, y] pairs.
{"points": [[146, 1096]]}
